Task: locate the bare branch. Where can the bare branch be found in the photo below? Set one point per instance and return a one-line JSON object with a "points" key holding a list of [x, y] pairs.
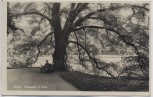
{"points": [[27, 6], [48, 6], [73, 14], [49, 9], [141, 7], [30, 13], [45, 38]]}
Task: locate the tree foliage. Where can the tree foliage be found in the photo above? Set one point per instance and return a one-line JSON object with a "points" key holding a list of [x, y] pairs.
{"points": [[84, 29]]}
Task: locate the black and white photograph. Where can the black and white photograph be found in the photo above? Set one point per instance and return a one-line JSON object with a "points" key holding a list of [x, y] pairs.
{"points": [[77, 47]]}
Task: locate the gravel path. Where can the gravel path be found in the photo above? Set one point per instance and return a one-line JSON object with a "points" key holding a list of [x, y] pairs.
{"points": [[32, 79]]}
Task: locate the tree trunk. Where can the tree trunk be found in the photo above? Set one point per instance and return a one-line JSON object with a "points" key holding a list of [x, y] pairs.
{"points": [[60, 47], [59, 53], [61, 37]]}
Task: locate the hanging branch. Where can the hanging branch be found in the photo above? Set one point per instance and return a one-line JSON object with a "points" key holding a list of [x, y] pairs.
{"points": [[122, 37], [41, 19], [110, 29], [91, 58], [38, 46], [85, 35], [78, 47]]}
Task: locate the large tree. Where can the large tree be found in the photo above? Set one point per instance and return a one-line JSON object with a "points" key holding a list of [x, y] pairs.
{"points": [[76, 23]]}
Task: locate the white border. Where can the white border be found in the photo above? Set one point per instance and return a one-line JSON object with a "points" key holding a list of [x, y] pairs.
{"points": [[83, 93], [150, 49], [0, 47]]}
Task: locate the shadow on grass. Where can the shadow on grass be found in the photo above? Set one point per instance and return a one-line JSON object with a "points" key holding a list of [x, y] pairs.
{"points": [[86, 82]]}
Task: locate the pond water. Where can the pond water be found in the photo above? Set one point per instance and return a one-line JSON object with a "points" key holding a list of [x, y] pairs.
{"points": [[75, 65], [42, 60], [106, 58]]}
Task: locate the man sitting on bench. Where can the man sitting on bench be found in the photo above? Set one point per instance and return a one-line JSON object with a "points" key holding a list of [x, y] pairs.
{"points": [[47, 64]]}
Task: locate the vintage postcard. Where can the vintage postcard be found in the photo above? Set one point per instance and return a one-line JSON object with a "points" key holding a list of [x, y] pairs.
{"points": [[75, 47]]}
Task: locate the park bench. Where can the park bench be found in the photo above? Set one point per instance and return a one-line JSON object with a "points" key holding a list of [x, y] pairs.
{"points": [[46, 69]]}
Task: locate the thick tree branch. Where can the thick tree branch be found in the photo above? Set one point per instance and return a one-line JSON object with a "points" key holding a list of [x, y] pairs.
{"points": [[80, 20], [78, 5], [81, 7], [72, 7], [73, 14], [86, 27]]}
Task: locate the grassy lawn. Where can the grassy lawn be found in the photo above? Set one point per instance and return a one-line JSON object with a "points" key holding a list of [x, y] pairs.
{"points": [[86, 82]]}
